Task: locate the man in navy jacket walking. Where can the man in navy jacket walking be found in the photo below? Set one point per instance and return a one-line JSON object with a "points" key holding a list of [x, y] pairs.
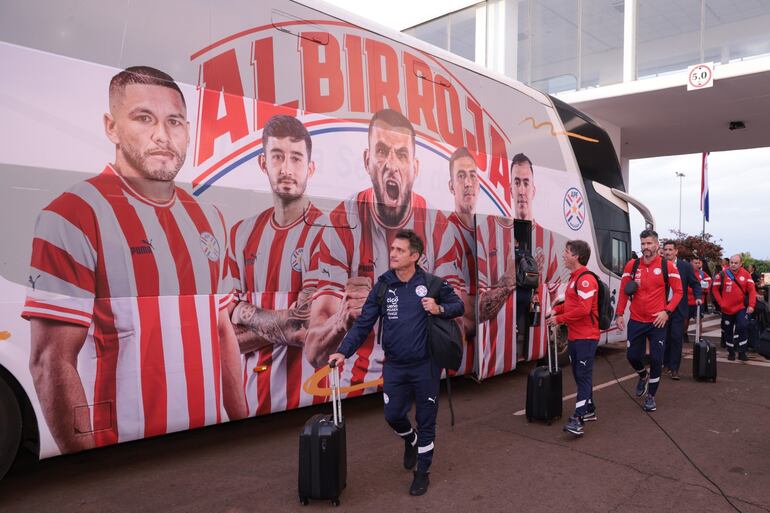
{"points": [[672, 355], [409, 374]]}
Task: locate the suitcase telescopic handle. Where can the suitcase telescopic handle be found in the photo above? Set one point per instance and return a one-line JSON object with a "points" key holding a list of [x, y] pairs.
{"points": [[697, 323], [336, 398], [553, 360]]}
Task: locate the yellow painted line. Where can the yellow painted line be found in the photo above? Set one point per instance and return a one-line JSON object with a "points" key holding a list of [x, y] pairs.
{"points": [[597, 387], [537, 126], [312, 385]]}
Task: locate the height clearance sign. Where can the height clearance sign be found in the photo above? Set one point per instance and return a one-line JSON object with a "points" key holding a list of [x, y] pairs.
{"points": [[700, 76]]}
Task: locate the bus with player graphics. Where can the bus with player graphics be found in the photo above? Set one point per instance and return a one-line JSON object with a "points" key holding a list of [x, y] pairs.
{"points": [[193, 217]]}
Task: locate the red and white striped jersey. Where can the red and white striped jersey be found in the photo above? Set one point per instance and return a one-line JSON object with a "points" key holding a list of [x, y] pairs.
{"points": [[358, 244], [497, 337], [548, 248], [270, 265], [465, 248], [148, 280]]}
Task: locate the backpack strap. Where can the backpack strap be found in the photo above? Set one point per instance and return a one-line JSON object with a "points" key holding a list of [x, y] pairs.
{"points": [[591, 312], [434, 290], [664, 268], [635, 268], [382, 289], [434, 285]]}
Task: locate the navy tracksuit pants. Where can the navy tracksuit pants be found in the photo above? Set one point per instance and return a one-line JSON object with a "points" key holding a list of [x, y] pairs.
{"points": [[581, 356], [672, 355], [638, 333], [419, 384], [735, 331]]}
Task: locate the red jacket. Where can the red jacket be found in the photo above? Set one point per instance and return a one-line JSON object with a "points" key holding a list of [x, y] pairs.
{"points": [[580, 310], [650, 297], [705, 285], [730, 297]]}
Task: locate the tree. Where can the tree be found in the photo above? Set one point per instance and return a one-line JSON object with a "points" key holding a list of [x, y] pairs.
{"points": [[706, 248], [763, 266]]}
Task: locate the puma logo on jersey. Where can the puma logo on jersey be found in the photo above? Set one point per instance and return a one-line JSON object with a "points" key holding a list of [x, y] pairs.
{"points": [[432, 399], [33, 281], [144, 249], [392, 291]]}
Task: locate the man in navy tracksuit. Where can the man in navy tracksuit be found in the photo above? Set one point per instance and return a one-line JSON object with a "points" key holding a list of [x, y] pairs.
{"points": [[672, 354], [409, 374]]}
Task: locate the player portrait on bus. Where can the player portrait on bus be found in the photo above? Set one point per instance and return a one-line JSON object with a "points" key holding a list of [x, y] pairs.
{"points": [[547, 245], [128, 295], [274, 262], [356, 246], [464, 187]]}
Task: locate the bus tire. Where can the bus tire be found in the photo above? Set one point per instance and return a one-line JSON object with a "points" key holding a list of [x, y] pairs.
{"points": [[10, 427]]}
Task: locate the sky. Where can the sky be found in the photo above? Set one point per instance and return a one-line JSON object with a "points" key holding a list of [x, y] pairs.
{"points": [[739, 180], [739, 197]]}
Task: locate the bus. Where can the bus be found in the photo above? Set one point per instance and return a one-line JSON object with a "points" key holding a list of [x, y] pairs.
{"points": [[198, 196]]}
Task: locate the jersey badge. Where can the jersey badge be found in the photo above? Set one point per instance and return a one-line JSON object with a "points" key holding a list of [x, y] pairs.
{"points": [[209, 246], [656, 271], [421, 290], [296, 259]]}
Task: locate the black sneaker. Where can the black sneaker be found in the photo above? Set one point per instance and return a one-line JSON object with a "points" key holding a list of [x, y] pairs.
{"points": [[410, 453], [649, 404], [419, 483], [731, 357], [641, 386], [590, 416], [743, 357], [574, 426]]}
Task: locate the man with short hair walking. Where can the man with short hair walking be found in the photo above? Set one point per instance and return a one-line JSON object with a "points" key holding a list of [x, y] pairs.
{"points": [[644, 282], [409, 374], [580, 312]]}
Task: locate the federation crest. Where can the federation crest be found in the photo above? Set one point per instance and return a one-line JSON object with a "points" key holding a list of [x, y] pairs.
{"points": [[296, 259], [574, 209], [656, 271], [584, 283], [209, 246], [421, 290]]}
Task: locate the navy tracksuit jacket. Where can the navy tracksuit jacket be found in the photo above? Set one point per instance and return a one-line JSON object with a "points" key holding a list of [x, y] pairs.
{"points": [[409, 374]]}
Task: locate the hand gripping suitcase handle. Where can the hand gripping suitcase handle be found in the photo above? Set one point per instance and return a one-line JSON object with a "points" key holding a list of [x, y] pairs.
{"points": [[336, 398]]}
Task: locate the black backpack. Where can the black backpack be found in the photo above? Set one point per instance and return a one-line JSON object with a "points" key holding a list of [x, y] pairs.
{"points": [[605, 309], [527, 275]]}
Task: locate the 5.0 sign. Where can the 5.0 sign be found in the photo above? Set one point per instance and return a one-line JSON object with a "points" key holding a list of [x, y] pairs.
{"points": [[700, 76]]}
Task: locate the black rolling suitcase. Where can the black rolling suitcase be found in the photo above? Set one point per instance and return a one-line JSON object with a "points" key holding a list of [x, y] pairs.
{"points": [[704, 355], [323, 462], [544, 388]]}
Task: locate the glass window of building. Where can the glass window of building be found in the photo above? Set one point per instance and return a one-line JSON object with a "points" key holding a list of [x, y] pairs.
{"points": [[735, 30], [668, 36]]}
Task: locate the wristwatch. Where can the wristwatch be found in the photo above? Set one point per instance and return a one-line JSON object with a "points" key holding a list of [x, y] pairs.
{"points": [[669, 312]]}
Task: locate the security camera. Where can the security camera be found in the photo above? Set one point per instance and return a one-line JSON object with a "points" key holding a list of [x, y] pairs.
{"points": [[736, 125]]}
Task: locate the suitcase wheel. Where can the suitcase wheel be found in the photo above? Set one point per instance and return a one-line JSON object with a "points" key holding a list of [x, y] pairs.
{"points": [[304, 501], [335, 502]]}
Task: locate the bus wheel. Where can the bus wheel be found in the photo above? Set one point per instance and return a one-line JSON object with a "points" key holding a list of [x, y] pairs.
{"points": [[10, 427]]}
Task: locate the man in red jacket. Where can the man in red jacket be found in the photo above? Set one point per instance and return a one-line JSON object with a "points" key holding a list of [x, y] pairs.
{"points": [[648, 284], [734, 291], [580, 312]]}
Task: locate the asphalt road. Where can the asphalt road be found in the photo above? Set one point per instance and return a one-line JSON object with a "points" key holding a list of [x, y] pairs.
{"points": [[706, 445]]}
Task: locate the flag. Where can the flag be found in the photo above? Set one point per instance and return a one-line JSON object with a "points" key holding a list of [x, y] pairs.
{"points": [[704, 187]]}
